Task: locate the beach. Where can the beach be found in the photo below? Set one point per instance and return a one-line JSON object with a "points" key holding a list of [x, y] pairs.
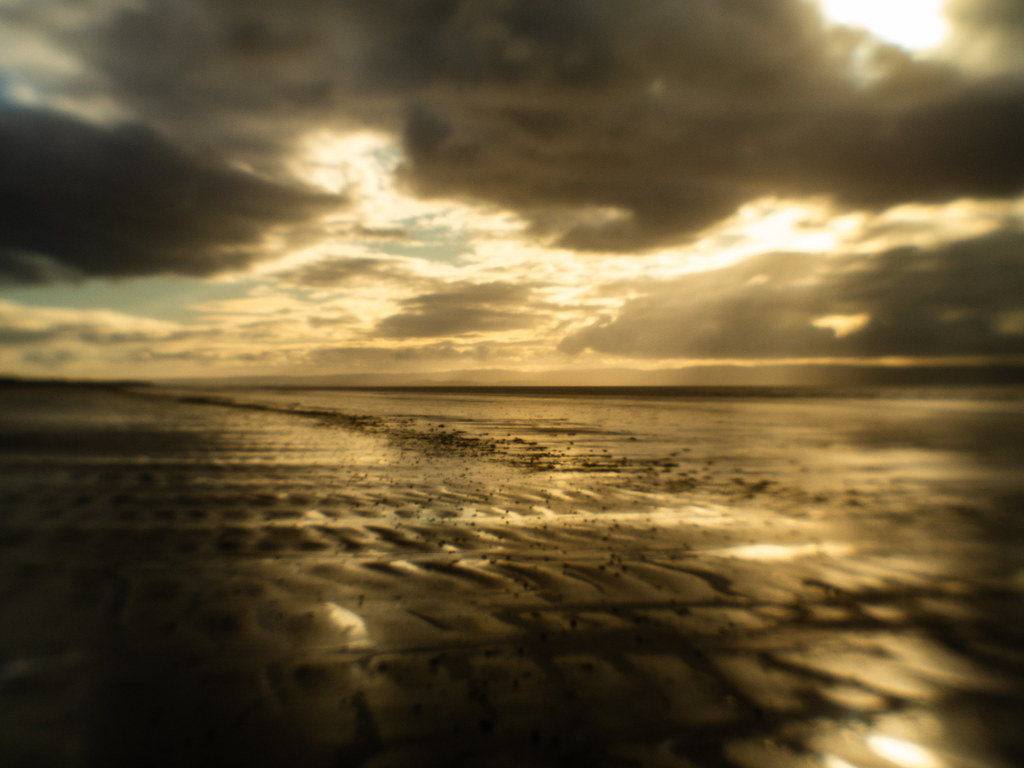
{"points": [[301, 577]]}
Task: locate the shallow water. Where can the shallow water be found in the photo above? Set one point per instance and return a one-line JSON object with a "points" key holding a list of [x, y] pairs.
{"points": [[305, 577]]}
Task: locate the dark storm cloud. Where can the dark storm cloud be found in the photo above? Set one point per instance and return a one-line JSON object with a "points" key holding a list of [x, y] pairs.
{"points": [[375, 358], [966, 298], [671, 113], [81, 200], [10, 337], [86, 331], [249, 77], [339, 272], [377, 233], [187, 356], [990, 33], [674, 113], [692, 109], [463, 309], [49, 358], [717, 107]]}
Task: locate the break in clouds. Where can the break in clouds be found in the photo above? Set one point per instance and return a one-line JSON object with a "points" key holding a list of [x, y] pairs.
{"points": [[963, 299], [145, 137]]}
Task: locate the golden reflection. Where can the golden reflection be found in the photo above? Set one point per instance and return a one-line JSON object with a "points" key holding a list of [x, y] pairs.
{"points": [[349, 623], [787, 552], [903, 753], [831, 761]]}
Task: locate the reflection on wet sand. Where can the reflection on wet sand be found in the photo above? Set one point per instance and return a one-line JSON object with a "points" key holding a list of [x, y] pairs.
{"points": [[506, 582]]}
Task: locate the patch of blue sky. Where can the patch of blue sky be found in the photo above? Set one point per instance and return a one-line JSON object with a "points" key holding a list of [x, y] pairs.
{"points": [[7, 88], [430, 243], [160, 298]]}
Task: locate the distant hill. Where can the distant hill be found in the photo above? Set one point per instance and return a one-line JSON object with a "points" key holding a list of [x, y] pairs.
{"points": [[30, 381]]}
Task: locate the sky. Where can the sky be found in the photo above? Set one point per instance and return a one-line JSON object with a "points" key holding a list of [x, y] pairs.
{"points": [[217, 188]]}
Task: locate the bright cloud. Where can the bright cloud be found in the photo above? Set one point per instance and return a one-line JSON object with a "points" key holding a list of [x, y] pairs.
{"points": [[912, 24]]}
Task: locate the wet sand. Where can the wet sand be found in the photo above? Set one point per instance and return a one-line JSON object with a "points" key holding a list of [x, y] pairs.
{"points": [[262, 578]]}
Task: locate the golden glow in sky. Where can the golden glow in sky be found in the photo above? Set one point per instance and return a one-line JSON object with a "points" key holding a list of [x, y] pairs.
{"points": [[912, 24]]}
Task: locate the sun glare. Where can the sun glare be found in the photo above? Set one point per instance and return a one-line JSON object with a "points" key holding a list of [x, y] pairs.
{"points": [[842, 325], [343, 162], [915, 25]]}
